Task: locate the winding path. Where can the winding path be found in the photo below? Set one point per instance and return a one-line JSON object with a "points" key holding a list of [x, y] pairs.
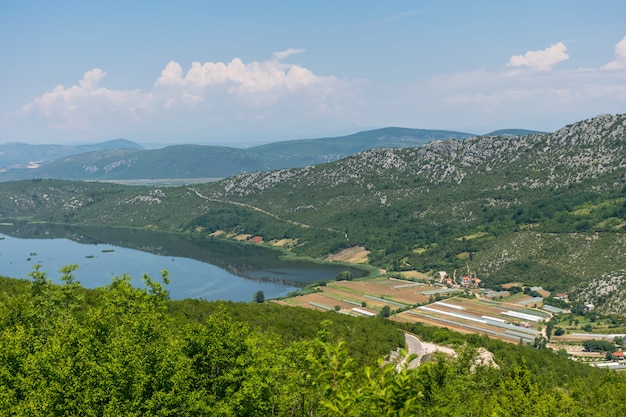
{"points": [[260, 210]]}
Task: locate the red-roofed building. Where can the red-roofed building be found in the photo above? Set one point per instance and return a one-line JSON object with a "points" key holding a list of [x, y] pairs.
{"points": [[470, 281]]}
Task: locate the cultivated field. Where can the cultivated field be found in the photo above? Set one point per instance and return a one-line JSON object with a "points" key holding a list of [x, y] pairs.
{"points": [[411, 301], [514, 318], [509, 322], [369, 295]]}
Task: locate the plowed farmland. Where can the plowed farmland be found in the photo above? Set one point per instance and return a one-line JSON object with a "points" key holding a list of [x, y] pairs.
{"points": [[370, 295], [412, 301]]}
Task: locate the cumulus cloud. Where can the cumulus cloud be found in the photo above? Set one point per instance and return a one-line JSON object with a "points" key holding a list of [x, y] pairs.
{"points": [[276, 95], [205, 94], [254, 77], [542, 60], [620, 56], [67, 107]]}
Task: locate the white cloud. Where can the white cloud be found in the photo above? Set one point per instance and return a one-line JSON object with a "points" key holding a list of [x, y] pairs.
{"points": [[251, 78], [542, 60], [546, 89], [278, 56], [273, 91], [620, 56], [276, 98], [69, 107], [527, 98]]}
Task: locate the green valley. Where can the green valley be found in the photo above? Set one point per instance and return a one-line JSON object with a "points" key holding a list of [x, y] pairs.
{"points": [[545, 208]]}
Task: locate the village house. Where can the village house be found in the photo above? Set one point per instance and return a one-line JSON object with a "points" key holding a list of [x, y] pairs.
{"points": [[562, 296], [470, 281]]}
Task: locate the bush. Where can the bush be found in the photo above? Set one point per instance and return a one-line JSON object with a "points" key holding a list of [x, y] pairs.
{"points": [[598, 346], [344, 276]]}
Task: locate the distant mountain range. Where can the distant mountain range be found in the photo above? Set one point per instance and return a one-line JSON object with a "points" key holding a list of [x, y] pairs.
{"points": [[18, 155], [123, 159], [512, 132]]}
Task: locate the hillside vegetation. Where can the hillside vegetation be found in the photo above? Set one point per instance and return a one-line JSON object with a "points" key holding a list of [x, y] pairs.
{"points": [[548, 209], [120, 350]]}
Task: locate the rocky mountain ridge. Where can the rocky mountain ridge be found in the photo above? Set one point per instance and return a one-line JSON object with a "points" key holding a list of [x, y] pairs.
{"points": [[576, 152]]}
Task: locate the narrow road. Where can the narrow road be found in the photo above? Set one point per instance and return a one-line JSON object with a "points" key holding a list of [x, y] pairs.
{"points": [[416, 346], [236, 203]]}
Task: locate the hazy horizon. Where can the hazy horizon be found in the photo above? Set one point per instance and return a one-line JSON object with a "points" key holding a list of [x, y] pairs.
{"points": [[249, 72]]}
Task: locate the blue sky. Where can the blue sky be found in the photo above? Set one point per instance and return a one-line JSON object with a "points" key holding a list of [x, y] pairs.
{"points": [[242, 72]]}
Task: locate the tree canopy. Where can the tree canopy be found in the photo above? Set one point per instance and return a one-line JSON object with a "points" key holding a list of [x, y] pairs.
{"points": [[121, 350]]}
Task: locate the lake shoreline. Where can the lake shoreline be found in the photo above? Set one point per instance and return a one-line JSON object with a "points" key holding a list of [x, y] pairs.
{"points": [[202, 259]]}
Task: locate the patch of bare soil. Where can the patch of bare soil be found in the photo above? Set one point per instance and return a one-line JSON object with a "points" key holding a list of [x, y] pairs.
{"points": [[414, 275], [356, 254], [284, 242]]}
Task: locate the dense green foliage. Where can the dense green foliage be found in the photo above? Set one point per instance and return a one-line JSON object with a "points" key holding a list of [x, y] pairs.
{"points": [[120, 350], [456, 388], [599, 346]]}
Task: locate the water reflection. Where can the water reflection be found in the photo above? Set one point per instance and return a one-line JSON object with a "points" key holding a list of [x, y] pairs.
{"points": [[259, 265]]}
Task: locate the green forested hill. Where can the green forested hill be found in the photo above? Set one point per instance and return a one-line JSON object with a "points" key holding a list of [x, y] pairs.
{"points": [[303, 152], [120, 350], [549, 209]]}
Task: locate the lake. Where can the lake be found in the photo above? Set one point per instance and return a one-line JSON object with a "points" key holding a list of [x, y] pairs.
{"points": [[202, 268]]}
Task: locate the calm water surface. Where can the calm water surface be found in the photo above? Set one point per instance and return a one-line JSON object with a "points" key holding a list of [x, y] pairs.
{"points": [[199, 268]]}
